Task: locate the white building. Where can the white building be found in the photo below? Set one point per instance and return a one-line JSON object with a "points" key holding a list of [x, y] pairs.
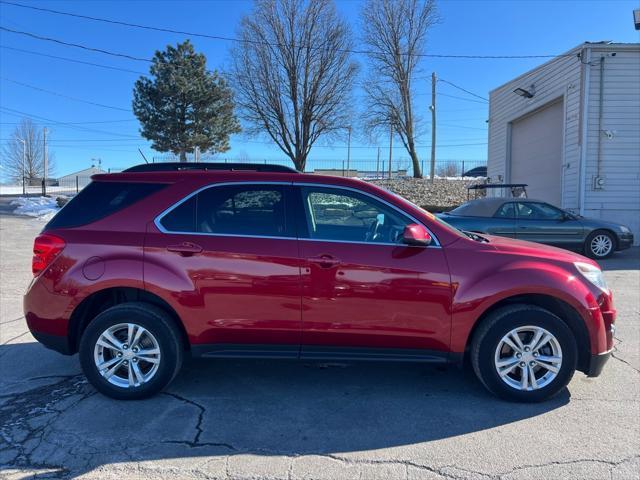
{"points": [[570, 129], [80, 178]]}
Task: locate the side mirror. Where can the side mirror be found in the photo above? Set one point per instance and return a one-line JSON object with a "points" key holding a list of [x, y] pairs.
{"points": [[415, 234]]}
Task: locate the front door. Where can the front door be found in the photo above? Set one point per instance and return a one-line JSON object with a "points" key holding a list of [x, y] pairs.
{"points": [[544, 223], [365, 294], [229, 254]]}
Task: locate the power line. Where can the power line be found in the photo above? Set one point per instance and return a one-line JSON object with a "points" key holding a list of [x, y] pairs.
{"points": [[452, 125], [80, 123], [461, 98], [19, 113], [33, 87], [462, 89], [233, 39], [30, 52], [75, 45]]}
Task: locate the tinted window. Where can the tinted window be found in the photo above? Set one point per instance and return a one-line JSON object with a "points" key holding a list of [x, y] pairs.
{"points": [[341, 215], [538, 211], [235, 209], [100, 199], [507, 210]]}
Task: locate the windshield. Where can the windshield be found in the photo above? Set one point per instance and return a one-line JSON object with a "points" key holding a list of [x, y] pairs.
{"points": [[463, 209]]}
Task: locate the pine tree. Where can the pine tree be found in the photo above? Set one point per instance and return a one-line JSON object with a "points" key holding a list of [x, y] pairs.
{"points": [[184, 106]]}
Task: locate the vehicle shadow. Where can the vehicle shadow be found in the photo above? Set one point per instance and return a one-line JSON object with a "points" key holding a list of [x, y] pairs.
{"points": [[219, 408], [623, 260]]}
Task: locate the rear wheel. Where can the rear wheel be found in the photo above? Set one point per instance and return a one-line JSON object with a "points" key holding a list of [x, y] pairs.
{"points": [[524, 353], [600, 244], [131, 351]]}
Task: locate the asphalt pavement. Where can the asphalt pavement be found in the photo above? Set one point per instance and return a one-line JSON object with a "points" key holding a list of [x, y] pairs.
{"points": [[227, 419]]}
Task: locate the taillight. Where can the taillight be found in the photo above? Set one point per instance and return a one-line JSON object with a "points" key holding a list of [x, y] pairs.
{"points": [[46, 247]]}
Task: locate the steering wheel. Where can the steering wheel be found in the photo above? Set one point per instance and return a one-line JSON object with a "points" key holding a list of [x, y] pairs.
{"points": [[373, 234]]}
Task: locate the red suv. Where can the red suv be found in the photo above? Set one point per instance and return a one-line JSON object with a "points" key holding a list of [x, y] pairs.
{"points": [[161, 261]]}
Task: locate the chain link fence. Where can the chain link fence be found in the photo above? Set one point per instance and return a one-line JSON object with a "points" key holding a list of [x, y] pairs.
{"points": [[361, 168]]}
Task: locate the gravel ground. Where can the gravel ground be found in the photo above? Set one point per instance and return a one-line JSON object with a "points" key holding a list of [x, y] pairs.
{"points": [[439, 194], [289, 420]]}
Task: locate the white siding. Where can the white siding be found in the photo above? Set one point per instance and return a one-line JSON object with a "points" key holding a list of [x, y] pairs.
{"points": [[619, 200], [559, 78], [568, 77]]}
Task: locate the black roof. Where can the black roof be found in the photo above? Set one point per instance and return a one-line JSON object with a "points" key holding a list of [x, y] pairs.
{"points": [[177, 166], [482, 186]]}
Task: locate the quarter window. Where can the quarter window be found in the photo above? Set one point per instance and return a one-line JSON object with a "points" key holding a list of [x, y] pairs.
{"points": [[342, 215], [232, 210]]}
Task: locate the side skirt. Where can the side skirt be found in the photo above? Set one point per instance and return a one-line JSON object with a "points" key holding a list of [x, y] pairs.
{"points": [[314, 352]]}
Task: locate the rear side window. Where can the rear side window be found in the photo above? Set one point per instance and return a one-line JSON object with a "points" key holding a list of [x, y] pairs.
{"points": [[232, 210], [99, 200]]}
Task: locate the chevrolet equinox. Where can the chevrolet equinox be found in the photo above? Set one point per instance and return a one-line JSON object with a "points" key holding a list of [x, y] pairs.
{"points": [[161, 261]]}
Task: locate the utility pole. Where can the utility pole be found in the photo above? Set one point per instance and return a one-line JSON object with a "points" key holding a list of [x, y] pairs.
{"points": [[349, 150], [433, 125], [390, 147], [46, 159], [378, 164]]}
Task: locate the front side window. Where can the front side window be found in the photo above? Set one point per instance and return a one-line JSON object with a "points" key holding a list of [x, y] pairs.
{"points": [[538, 211], [506, 210], [252, 210], [343, 215]]}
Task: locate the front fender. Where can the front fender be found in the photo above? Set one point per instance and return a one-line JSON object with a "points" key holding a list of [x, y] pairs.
{"points": [[488, 287]]}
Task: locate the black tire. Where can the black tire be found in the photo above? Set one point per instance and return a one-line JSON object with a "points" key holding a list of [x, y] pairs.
{"points": [[496, 326], [589, 244], [159, 324]]}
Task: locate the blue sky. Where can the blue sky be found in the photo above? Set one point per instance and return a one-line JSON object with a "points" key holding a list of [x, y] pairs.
{"points": [[111, 134]]}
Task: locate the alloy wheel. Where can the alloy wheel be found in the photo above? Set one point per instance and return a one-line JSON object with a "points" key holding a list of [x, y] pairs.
{"points": [[127, 355], [601, 245], [528, 358]]}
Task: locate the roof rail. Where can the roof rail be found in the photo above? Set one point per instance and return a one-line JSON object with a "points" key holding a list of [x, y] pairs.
{"points": [[178, 166]]}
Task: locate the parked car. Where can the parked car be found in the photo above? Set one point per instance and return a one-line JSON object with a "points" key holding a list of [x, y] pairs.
{"points": [[538, 221], [476, 172], [144, 267]]}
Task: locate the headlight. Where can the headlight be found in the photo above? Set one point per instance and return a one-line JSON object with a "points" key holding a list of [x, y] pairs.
{"points": [[624, 229], [593, 274]]}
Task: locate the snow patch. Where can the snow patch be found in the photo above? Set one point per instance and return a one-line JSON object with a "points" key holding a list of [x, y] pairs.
{"points": [[42, 208]]}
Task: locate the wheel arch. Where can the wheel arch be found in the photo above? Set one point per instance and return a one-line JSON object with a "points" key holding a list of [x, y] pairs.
{"points": [[558, 307], [103, 299]]}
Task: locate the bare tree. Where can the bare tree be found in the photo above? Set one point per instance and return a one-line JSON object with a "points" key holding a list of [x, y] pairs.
{"points": [[293, 73], [25, 149], [395, 32]]}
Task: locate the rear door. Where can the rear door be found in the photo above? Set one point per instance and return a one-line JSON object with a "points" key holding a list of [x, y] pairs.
{"points": [[229, 255], [365, 294], [544, 223]]}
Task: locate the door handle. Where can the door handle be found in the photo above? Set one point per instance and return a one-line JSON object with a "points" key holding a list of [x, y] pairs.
{"points": [[324, 261], [186, 249]]}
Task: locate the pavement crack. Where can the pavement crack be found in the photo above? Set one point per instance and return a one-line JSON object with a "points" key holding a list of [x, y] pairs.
{"points": [[15, 338], [11, 321], [25, 420], [195, 443], [620, 359]]}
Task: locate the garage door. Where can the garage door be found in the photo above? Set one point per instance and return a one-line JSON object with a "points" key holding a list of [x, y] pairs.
{"points": [[536, 153]]}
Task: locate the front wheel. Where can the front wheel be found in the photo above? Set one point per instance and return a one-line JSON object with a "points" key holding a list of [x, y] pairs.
{"points": [[600, 244], [131, 351], [524, 353]]}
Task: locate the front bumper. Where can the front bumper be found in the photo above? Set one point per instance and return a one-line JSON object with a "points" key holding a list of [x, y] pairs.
{"points": [[625, 240], [54, 342], [597, 363]]}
